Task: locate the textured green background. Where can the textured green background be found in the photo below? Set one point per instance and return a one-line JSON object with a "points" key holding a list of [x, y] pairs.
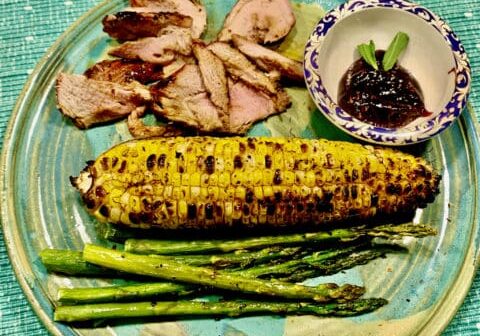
{"points": [[28, 28]]}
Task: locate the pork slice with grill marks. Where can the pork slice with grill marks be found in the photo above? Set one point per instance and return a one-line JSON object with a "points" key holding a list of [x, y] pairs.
{"points": [[269, 60], [185, 99], [192, 9], [262, 21], [239, 67], [159, 50], [214, 78], [88, 102], [125, 71], [132, 25]]}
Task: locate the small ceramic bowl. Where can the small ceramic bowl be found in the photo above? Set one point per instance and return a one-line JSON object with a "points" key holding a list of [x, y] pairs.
{"points": [[434, 57]]}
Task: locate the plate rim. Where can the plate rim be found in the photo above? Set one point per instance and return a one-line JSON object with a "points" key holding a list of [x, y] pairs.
{"points": [[450, 311], [7, 153]]}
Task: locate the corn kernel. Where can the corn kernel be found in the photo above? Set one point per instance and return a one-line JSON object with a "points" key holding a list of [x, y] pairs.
{"points": [[176, 179], [182, 209], [310, 179], [258, 192], [213, 193], [240, 193], [195, 179], [288, 178], [267, 191]]}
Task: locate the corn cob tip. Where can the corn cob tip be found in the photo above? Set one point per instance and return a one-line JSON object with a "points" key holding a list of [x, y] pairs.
{"points": [[83, 182]]}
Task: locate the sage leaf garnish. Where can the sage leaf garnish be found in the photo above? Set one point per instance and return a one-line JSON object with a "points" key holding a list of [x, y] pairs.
{"points": [[367, 51], [398, 44]]}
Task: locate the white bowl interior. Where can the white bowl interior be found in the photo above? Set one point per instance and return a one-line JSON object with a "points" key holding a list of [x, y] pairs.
{"points": [[427, 57]]}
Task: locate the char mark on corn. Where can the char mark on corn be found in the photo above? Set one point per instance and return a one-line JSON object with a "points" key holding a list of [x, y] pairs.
{"points": [[202, 182]]}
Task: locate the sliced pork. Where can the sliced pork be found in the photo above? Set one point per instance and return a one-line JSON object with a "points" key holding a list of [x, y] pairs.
{"points": [[269, 60], [125, 71], [132, 25], [185, 99], [175, 66], [239, 67], [159, 50], [194, 10], [214, 78], [262, 21], [248, 105], [88, 102], [138, 129]]}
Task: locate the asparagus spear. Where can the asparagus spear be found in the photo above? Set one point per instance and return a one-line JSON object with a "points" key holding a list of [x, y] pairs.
{"points": [[148, 246], [241, 258], [335, 265], [223, 308], [244, 258], [400, 231], [121, 293], [292, 266], [168, 269], [72, 262]]}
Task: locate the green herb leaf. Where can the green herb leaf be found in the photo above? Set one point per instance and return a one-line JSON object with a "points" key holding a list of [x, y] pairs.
{"points": [[367, 51], [398, 44]]}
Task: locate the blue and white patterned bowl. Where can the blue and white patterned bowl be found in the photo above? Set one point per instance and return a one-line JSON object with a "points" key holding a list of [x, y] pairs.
{"points": [[434, 56]]}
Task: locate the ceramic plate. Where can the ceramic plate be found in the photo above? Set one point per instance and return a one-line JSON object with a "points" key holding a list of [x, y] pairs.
{"points": [[41, 210]]}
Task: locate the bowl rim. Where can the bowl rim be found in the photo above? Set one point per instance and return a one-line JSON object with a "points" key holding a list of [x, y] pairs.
{"points": [[368, 132]]}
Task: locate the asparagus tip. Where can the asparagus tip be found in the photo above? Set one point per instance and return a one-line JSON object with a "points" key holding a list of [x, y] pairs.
{"points": [[402, 230], [342, 293], [360, 306], [348, 293]]}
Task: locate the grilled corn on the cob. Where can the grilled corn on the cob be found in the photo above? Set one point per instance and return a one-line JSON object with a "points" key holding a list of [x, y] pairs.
{"points": [[204, 182]]}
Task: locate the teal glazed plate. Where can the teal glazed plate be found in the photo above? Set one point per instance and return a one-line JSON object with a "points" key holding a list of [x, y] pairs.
{"points": [[40, 209]]}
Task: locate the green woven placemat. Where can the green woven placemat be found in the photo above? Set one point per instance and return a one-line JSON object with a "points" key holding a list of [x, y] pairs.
{"points": [[28, 28]]}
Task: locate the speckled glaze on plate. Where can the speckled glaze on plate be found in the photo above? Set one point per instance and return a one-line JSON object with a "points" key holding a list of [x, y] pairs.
{"points": [[40, 209]]}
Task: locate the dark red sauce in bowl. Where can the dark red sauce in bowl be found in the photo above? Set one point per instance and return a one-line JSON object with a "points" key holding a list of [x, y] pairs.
{"points": [[382, 98]]}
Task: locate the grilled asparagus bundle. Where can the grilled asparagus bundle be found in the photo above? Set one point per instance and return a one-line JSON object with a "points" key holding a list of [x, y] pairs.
{"points": [[264, 272], [201, 182], [264, 266]]}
